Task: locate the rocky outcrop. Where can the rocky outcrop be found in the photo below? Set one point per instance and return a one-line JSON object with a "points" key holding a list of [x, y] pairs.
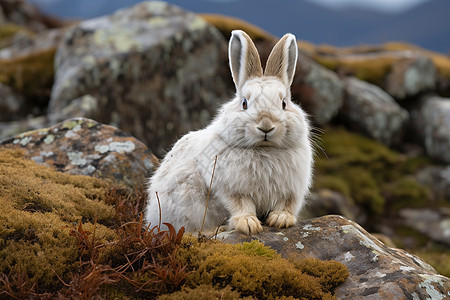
{"points": [[410, 75], [376, 271], [10, 104], [431, 123], [318, 89], [25, 14], [156, 70], [438, 179], [25, 45], [434, 223], [370, 110], [86, 147]]}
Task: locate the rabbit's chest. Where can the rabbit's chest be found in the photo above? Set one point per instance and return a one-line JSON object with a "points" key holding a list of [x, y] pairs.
{"points": [[265, 177]]}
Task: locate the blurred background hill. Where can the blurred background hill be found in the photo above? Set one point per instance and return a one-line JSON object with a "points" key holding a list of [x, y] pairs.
{"points": [[339, 22]]}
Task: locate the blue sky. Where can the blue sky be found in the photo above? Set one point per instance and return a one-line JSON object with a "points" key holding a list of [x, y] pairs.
{"points": [[381, 5]]}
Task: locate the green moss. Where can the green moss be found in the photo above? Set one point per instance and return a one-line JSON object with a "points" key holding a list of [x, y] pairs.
{"points": [[39, 206], [252, 270], [407, 192], [30, 75], [7, 31], [368, 172], [258, 249]]}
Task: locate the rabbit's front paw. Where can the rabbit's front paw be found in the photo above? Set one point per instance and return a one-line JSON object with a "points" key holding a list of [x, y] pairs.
{"points": [[281, 219], [247, 224]]}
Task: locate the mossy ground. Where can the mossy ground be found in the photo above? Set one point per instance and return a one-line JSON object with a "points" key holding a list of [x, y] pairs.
{"points": [[370, 68], [226, 24], [71, 236], [32, 76], [39, 206], [7, 32], [253, 269], [382, 182], [368, 173]]}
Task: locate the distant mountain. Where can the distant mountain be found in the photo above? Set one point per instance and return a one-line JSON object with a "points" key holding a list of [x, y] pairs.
{"points": [[427, 25]]}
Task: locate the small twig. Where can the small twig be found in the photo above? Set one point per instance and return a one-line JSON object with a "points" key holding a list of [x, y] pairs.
{"points": [[159, 205], [209, 192]]}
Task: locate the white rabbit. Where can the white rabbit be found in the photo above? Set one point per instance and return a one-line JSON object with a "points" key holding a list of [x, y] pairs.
{"points": [[262, 142]]}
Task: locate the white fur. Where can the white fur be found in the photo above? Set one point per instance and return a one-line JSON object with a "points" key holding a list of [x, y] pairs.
{"points": [[253, 178]]}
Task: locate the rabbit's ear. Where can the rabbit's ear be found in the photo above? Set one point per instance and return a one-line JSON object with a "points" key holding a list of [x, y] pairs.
{"points": [[283, 59], [244, 58]]}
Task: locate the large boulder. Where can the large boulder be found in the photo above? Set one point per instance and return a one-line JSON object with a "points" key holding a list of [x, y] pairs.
{"points": [[85, 147], [155, 70], [433, 223], [376, 271], [372, 111], [410, 75], [430, 125], [319, 90]]}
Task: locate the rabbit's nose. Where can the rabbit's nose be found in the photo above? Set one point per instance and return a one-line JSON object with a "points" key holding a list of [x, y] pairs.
{"points": [[265, 125], [266, 129]]}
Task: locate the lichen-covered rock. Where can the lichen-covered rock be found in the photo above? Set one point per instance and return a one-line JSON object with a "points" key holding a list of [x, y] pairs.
{"points": [[372, 111], [376, 271], [434, 223], [411, 74], [85, 147], [319, 90], [10, 103], [157, 71], [431, 123]]}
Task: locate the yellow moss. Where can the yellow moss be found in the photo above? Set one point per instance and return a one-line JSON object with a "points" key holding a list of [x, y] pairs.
{"points": [[371, 69], [226, 24], [31, 75], [8, 30], [39, 206], [441, 61], [254, 271], [204, 292]]}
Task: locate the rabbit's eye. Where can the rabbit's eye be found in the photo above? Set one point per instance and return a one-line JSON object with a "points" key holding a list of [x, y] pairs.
{"points": [[283, 104], [244, 104]]}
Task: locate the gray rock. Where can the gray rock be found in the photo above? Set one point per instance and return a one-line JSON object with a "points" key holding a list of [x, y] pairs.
{"points": [[86, 106], [438, 179], [320, 91], [24, 45], [10, 104], [156, 70], [376, 271], [327, 202], [85, 147], [11, 128], [434, 223], [431, 125], [412, 74], [372, 111]]}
